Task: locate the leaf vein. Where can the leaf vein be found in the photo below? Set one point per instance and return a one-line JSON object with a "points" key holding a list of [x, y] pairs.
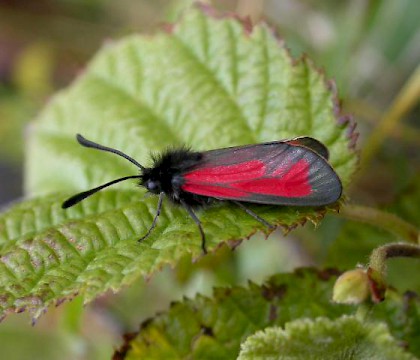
{"points": [[221, 88], [143, 106]]}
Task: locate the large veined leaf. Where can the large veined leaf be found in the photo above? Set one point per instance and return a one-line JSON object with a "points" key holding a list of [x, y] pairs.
{"points": [[346, 338], [207, 82], [214, 328]]}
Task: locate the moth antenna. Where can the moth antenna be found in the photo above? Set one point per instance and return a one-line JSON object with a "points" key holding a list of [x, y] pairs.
{"points": [[90, 144], [83, 195]]}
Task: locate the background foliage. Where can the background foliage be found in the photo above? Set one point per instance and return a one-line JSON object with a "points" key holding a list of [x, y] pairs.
{"points": [[369, 48]]}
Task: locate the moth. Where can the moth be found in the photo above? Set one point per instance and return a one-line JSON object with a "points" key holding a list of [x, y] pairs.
{"points": [[293, 172]]}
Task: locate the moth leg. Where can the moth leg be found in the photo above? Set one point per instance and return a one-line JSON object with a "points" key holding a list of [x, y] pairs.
{"points": [[254, 215], [159, 207], [198, 222]]}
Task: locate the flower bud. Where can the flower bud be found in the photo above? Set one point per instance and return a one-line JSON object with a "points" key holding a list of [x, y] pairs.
{"points": [[352, 287]]}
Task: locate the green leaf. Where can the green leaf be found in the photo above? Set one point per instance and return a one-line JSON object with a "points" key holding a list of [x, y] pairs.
{"points": [[214, 328], [208, 82], [324, 339]]}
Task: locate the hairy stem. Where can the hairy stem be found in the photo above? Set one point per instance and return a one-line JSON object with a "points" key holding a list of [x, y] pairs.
{"points": [[383, 220], [381, 254], [377, 266]]}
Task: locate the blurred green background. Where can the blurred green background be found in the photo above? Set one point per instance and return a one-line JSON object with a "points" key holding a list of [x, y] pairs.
{"points": [[370, 48]]}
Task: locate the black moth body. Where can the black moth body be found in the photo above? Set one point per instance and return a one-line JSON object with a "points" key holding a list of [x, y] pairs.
{"points": [[292, 172], [166, 176]]}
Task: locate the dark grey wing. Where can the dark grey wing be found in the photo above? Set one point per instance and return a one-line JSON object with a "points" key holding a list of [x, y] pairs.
{"points": [[280, 173]]}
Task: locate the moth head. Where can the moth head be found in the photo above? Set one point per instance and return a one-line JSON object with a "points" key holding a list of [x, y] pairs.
{"points": [[150, 182]]}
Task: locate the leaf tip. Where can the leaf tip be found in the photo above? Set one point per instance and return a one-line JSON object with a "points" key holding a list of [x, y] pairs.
{"points": [[210, 11]]}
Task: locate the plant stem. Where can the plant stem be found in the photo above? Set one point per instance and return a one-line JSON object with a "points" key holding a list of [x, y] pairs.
{"points": [[377, 266], [381, 254], [383, 220], [405, 100], [363, 311]]}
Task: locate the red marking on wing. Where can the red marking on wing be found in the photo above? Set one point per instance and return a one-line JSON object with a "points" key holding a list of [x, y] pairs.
{"points": [[244, 179], [214, 191], [227, 173], [293, 183]]}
